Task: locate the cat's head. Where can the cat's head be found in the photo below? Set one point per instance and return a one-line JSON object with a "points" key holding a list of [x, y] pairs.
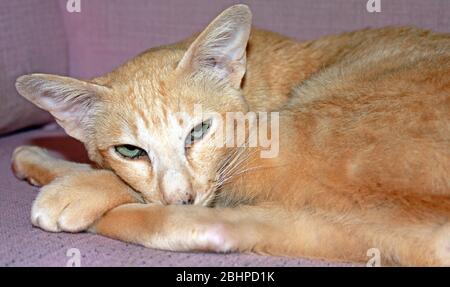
{"points": [[140, 121]]}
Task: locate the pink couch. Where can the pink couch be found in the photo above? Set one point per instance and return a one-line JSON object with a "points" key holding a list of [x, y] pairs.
{"points": [[41, 36]]}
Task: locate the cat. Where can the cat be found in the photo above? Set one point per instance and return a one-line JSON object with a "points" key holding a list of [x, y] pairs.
{"points": [[364, 146]]}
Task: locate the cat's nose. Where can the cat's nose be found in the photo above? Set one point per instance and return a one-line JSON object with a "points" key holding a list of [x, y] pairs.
{"points": [[180, 197], [177, 188], [189, 199]]}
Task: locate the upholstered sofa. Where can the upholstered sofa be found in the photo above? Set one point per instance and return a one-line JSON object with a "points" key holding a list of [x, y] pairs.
{"points": [[43, 36]]}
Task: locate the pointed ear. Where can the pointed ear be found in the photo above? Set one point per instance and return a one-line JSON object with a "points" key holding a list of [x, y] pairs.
{"points": [[72, 102], [220, 48]]}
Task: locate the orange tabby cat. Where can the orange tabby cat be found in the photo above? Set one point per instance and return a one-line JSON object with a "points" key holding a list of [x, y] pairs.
{"points": [[364, 146]]}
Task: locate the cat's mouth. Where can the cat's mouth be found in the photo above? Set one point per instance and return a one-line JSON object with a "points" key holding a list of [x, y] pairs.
{"points": [[205, 196], [203, 199]]}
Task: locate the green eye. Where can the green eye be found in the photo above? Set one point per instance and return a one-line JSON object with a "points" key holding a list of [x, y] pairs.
{"points": [[198, 132], [129, 151]]}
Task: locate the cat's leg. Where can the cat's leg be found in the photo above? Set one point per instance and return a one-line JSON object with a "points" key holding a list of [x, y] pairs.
{"points": [[402, 235], [39, 168], [261, 229], [74, 195]]}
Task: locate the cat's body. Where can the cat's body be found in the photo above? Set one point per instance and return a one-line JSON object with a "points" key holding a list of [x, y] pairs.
{"points": [[364, 155]]}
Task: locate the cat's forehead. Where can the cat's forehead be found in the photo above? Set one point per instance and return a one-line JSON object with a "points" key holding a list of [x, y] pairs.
{"points": [[151, 82], [154, 107], [149, 96], [159, 98]]}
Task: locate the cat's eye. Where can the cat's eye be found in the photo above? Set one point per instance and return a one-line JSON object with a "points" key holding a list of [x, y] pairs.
{"points": [[130, 151], [198, 132]]}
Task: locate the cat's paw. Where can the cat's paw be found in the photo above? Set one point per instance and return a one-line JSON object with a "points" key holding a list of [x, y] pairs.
{"points": [[25, 163], [60, 208], [74, 202]]}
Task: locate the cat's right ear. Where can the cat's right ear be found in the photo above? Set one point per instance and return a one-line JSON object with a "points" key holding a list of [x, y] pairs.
{"points": [[72, 102], [221, 48]]}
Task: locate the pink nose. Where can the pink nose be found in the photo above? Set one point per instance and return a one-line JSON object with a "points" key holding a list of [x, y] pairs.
{"points": [[177, 188], [179, 197], [188, 199]]}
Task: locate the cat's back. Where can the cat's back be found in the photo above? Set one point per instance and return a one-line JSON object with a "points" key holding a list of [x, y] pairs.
{"points": [[379, 60], [277, 64], [381, 112]]}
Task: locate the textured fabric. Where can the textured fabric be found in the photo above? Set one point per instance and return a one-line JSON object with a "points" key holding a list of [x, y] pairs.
{"points": [[31, 40], [108, 32], [23, 245]]}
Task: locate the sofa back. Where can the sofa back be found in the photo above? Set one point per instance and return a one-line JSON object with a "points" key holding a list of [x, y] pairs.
{"points": [[108, 32]]}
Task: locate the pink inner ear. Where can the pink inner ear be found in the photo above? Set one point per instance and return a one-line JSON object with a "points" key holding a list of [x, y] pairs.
{"points": [[68, 100], [220, 48]]}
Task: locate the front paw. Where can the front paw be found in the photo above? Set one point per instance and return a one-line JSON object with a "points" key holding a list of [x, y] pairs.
{"points": [[74, 202], [57, 208], [26, 161]]}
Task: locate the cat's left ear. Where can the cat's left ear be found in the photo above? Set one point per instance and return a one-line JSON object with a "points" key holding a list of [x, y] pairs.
{"points": [[221, 48]]}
